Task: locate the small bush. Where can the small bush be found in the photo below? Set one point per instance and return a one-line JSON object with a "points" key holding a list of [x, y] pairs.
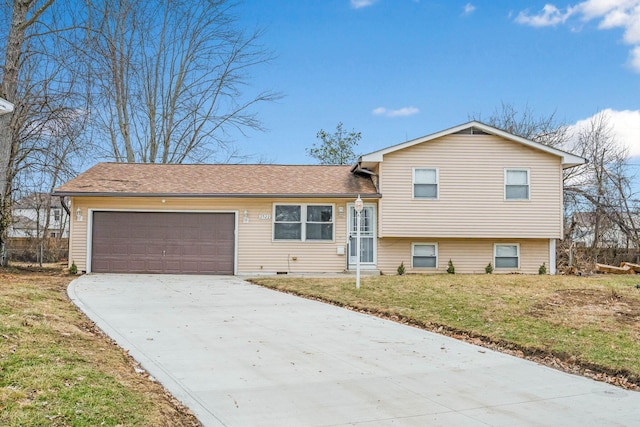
{"points": [[488, 269], [74, 268], [542, 269], [451, 269], [401, 269]]}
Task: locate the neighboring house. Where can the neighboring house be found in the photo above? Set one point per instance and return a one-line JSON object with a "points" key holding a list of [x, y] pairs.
{"points": [[39, 215], [471, 194]]}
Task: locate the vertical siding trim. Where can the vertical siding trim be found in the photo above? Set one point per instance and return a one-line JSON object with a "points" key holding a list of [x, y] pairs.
{"points": [[552, 257]]}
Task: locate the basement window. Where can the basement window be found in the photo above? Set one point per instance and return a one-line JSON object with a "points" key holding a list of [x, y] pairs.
{"points": [[424, 255], [507, 255]]}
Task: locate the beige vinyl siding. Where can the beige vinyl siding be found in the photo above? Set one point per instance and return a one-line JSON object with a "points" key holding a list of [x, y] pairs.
{"points": [[467, 255], [256, 250], [471, 201]]}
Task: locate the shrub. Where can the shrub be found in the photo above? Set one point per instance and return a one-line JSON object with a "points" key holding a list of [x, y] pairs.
{"points": [[401, 269], [542, 269], [488, 269], [74, 268], [451, 269]]}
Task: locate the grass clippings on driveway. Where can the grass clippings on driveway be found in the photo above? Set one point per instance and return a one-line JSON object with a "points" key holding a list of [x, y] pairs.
{"points": [[57, 369], [585, 325]]}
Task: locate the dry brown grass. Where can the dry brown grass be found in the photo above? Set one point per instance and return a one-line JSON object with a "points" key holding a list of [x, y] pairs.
{"points": [[58, 369]]}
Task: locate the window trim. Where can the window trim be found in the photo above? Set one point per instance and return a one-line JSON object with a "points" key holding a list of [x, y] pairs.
{"points": [[413, 182], [495, 253], [303, 222], [528, 171], [414, 244]]}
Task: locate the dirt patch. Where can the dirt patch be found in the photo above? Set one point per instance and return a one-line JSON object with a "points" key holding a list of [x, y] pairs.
{"points": [[580, 307]]}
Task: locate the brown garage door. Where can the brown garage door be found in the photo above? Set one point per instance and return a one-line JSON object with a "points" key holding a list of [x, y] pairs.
{"points": [[163, 242]]}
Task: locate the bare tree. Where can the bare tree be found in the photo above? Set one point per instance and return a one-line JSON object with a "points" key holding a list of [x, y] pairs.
{"points": [[32, 80], [602, 187], [545, 129], [170, 78]]}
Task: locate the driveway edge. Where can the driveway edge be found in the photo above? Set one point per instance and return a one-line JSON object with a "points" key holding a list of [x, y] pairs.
{"points": [[155, 370]]}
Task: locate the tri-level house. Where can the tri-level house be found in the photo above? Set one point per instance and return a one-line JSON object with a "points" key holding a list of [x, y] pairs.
{"points": [[472, 194]]}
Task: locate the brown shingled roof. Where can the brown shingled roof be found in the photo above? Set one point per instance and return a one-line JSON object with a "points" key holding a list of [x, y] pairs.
{"points": [[135, 179]]}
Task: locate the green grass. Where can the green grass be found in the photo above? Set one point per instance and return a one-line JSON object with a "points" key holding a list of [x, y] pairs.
{"points": [[57, 370], [591, 321]]}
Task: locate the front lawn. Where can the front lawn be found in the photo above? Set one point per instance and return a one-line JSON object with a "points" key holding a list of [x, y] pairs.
{"points": [[588, 325], [57, 369]]}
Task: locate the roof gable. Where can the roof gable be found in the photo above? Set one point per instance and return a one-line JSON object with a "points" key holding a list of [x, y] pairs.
{"points": [[473, 128]]}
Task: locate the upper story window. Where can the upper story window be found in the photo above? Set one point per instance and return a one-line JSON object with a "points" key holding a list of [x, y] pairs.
{"points": [[303, 222], [516, 184], [56, 215], [425, 183]]}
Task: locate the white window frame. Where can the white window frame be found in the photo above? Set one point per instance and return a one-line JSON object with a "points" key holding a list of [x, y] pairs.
{"points": [[413, 245], [413, 183], [303, 223], [274, 222], [333, 222], [495, 253], [506, 184]]}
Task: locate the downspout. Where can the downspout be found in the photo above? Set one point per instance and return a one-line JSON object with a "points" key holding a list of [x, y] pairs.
{"points": [[64, 206]]}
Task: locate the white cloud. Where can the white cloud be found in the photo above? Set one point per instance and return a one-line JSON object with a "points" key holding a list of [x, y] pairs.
{"points": [[625, 126], [624, 14], [549, 16], [400, 112], [358, 4], [469, 9], [635, 58]]}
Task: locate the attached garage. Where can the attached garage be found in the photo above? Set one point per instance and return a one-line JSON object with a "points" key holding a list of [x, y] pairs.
{"points": [[163, 242]]}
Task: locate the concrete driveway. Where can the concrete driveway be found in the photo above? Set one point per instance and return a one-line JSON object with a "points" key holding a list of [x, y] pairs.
{"points": [[241, 355]]}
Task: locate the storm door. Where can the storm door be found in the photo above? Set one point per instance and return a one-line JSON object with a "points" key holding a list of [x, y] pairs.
{"points": [[367, 236]]}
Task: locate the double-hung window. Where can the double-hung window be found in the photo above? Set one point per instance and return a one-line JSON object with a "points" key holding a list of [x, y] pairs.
{"points": [[319, 224], [516, 184], [507, 255], [424, 255], [287, 222], [425, 183], [303, 222]]}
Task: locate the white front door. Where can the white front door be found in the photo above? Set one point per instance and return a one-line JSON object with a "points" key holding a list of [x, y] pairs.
{"points": [[367, 236]]}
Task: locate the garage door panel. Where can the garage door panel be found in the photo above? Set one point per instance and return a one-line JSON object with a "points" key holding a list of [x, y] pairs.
{"points": [[163, 242]]}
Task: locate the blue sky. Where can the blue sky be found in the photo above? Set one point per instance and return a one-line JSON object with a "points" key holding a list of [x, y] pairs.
{"points": [[400, 69]]}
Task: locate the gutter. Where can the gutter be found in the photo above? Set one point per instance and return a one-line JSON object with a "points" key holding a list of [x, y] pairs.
{"points": [[221, 195]]}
